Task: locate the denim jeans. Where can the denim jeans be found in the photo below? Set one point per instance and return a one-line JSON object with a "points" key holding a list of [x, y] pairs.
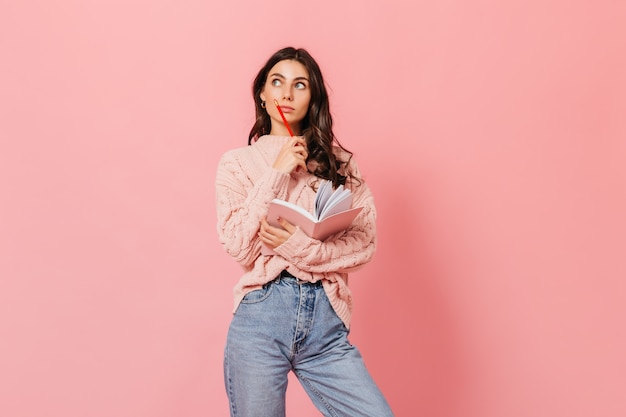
{"points": [[291, 326]]}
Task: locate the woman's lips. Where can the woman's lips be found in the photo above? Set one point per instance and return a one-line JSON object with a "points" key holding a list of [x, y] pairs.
{"points": [[287, 109]]}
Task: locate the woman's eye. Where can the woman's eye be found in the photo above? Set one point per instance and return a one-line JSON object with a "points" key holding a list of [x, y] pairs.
{"points": [[276, 82], [300, 86]]}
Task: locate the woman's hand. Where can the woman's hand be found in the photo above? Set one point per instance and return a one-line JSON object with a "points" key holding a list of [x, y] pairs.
{"points": [[275, 236], [292, 156]]}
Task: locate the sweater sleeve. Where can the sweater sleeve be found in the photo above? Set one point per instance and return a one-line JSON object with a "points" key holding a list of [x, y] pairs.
{"points": [[242, 201], [343, 252]]}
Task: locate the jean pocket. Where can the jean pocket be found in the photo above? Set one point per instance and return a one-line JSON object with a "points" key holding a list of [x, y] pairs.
{"points": [[259, 295]]}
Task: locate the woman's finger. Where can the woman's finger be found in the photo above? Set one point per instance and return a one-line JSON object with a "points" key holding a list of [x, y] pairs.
{"points": [[290, 228]]}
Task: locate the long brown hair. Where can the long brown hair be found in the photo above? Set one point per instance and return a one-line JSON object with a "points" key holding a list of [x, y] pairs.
{"points": [[317, 125]]}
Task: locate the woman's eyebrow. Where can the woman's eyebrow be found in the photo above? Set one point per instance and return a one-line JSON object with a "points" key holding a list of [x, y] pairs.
{"points": [[276, 74]]}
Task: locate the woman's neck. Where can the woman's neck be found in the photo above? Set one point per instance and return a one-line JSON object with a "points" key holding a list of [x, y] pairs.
{"points": [[281, 130]]}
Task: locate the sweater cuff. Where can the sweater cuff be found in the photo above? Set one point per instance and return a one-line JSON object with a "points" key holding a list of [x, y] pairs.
{"points": [[294, 245], [279, 182], [273, 184]]}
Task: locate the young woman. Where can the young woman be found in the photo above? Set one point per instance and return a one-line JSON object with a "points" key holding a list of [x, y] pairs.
{"points": [[293, 308]]}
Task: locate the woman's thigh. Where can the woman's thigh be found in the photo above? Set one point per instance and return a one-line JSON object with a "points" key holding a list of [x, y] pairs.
{"points": [[333, 372], [256, 360]]}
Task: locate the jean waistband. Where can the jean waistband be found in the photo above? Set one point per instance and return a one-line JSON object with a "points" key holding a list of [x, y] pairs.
{"points": [[287, 277]]}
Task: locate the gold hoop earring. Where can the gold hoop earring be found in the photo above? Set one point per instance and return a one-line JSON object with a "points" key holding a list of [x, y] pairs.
{"points": [[262, 104]]}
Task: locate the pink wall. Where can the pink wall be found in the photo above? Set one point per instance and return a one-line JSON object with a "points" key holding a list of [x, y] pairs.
{"points": [[493, 134]]}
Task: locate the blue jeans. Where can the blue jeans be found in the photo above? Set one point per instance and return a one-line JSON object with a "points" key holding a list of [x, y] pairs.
{"points": [[291, 326]]}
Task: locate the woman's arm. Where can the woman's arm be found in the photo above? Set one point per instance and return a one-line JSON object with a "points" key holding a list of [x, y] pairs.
{"points": [[241, 204], [342, 252]]}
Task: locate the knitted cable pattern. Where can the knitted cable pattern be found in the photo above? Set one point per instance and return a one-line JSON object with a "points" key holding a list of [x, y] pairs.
{"points": [[245, 185]]}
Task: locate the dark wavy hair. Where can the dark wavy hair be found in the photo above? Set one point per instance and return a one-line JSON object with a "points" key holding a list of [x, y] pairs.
{"points": [[317, 125]]}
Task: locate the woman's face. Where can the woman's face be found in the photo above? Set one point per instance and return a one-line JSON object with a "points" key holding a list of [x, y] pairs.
{"points": [[287, 83]]}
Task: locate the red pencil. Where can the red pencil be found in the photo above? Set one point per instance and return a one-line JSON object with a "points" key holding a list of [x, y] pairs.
{"points": [[283, 116]]}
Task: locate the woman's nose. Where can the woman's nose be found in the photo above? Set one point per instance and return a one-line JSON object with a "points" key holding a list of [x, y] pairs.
{"points": [[287, 94]]}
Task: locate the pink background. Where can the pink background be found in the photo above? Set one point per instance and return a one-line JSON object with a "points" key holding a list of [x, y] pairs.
{"points": [[493, 134]]}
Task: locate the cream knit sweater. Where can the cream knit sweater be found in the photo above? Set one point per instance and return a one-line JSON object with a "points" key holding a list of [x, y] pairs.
{"points": [[245, 185]]}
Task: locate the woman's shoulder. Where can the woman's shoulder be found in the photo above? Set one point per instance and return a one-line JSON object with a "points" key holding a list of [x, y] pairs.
{"points": [[244, 151], [235, 152], [265, 145], [234, 160]]}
